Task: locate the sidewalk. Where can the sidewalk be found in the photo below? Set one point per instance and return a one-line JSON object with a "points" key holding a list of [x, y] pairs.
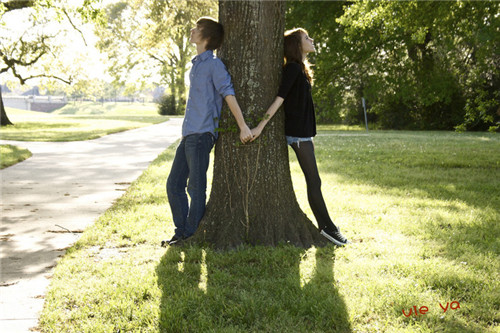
{"points": [[49, 199]]}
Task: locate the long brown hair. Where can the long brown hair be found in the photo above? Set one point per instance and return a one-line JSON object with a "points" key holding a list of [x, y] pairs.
{"points": [[293, 50]]}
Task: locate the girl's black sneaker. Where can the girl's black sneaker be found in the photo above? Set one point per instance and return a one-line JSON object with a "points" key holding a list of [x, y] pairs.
{"points": [[334, 236]]}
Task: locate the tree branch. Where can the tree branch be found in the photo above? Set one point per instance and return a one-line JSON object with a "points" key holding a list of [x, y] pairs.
{"points": [[74, 26], [10, 62], [18, 4], [67, 81], [163, 62]]}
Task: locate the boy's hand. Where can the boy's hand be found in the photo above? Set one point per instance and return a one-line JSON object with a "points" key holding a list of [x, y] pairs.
{"points": [[245, 134]]}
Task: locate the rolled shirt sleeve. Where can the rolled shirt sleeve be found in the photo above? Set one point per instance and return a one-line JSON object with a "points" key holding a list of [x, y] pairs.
{"points": [[222, 79]]}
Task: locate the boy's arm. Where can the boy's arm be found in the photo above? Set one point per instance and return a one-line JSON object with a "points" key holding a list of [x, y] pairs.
{"points": [[245, 133]]}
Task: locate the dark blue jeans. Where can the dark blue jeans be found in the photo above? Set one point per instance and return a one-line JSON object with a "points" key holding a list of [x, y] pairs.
{"points": [[191, 162]]}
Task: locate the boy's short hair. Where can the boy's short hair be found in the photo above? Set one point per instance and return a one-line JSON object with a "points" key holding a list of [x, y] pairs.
{"points": [[212, 31]]}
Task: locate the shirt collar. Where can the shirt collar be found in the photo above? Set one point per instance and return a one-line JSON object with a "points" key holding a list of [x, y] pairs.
{"points": [[204, 56]]}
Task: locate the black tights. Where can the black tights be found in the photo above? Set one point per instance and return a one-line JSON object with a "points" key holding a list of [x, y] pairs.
{"points": [[307, 160]]}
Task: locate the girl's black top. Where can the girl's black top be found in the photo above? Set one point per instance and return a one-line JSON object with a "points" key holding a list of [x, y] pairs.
{"points": [[295, 89]]}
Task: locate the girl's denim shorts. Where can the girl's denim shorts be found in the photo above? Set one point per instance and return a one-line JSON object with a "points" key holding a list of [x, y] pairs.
{"points": [[297, 140]]}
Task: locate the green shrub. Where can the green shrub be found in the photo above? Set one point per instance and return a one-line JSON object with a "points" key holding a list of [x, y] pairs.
{"points": [[167, 106]]}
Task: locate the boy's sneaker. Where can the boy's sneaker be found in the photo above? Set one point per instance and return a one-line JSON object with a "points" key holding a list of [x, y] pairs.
{"points": [[180, 242], [334, 236], [171, 241]]}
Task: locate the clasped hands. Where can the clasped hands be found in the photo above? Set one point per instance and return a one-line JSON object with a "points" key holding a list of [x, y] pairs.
{"points": [[249, 135]]}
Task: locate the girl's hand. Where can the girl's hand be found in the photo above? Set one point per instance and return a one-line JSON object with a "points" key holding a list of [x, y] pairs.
{"points": [[256, 132]]}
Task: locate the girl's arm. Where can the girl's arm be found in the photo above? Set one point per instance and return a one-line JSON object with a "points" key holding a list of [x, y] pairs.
{"points": [[291, 72], [269, 114]]}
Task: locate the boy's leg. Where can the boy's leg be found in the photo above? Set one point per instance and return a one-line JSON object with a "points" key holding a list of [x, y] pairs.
{"points": [[198, 147], [176, 189]]}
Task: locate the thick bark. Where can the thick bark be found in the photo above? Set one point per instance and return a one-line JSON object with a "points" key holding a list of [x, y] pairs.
{"points": [[252, 199], [4, 121]]}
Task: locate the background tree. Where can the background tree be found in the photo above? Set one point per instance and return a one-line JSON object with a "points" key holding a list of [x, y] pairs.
{"points": [[25, 53], [252, 198], [420, 64], [152, 38], [422, 68], [4, 118]]}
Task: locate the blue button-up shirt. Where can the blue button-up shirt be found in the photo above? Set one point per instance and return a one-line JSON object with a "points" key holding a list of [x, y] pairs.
{"points": [[210, 83]]}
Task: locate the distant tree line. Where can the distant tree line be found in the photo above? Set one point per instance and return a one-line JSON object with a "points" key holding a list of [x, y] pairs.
{"points": [[418, 64], [152, 38]]}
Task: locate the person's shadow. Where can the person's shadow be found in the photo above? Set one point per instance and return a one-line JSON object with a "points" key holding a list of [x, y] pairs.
{"points": [[254, 289]]}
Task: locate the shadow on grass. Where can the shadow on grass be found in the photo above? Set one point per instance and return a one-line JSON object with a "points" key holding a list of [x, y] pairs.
{"points": [[36, 126], [459, 175], [253, 289], [94, 108], [450, 186], [135, 118]]}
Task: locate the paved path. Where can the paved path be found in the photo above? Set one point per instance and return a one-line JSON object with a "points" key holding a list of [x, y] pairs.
{"points": [[63, 186]]}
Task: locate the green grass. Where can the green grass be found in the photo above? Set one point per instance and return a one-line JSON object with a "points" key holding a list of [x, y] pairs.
{"points": [[11, 155], [422, 211], [79, 121]]}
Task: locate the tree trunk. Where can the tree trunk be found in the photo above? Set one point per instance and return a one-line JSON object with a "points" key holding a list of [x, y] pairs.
{"points": [[173, 106], [4, 121], [252, 199], [181, 82]]}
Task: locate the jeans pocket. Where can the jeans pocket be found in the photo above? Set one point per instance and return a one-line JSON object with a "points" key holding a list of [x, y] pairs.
{"points": [[207, 138], [205, 141]]}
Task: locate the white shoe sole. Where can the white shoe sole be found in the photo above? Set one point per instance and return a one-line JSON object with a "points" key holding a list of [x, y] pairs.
{"points": [[331, 239]]}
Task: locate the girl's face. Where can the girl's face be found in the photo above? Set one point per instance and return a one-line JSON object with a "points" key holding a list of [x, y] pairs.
{"points": [[196, 37], [307, 44]]}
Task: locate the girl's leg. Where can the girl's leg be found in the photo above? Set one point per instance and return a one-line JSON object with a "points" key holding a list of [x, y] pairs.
{"points": [[307, 160]]}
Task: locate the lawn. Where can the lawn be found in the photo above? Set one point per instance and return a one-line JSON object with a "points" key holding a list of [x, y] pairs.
{"points": [[79, 121], [422, 211], [11, 155]]}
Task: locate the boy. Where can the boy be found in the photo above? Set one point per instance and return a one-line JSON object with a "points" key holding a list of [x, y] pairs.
{"points": [[210, 83]]}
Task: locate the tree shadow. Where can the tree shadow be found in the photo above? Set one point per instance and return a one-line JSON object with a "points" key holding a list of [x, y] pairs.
{"points": [[453, 199], [250, 289], [456, 181]]}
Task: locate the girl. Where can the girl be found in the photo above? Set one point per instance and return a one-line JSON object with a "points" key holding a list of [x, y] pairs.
{"points": [[300, 124]]}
